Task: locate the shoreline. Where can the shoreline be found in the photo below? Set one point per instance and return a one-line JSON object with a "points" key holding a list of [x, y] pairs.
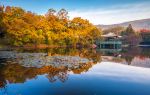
{"points": [[44, 46]]}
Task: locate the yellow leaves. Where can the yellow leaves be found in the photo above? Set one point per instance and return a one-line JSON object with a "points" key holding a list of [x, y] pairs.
{"points": [[42, 24], [28, 27], [80, 23]]}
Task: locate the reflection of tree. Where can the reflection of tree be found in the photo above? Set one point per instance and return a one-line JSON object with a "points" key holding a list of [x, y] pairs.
{"points": [[83, 68], [145, 52], [127, 55], [61, 74], [117, 59], [51, 78], [129, 59], [2, 81], [16, 73], [90, 54], [86, 53], [2, 78], [131, 52]]}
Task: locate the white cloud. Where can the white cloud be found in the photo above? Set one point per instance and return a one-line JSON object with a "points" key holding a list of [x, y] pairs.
{"points": [[115, 14], [120, 72]]}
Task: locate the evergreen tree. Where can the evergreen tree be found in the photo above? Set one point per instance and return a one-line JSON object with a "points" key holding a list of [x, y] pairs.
{"points": [[129, 31]]}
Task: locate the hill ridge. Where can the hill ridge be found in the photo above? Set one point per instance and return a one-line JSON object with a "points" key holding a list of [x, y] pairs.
{"points": [[137, 24]]}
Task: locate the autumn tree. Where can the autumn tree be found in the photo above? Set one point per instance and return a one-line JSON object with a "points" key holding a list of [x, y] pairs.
{"points": [[62, 14], [54, 28], [51, 12], [2, 26]]}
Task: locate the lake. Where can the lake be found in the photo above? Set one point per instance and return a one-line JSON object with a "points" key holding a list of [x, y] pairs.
{"points": [[69, 71]]}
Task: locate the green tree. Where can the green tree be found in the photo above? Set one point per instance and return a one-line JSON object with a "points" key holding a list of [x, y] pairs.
{"points": [[129, 31], [130, 36]]}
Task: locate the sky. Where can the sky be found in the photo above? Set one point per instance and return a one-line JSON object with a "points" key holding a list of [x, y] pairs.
{"points": [[96, 11]]}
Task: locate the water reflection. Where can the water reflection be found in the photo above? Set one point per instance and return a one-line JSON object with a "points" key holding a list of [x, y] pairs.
{"points": [[22, 65], [60, 71], [135, 56]]}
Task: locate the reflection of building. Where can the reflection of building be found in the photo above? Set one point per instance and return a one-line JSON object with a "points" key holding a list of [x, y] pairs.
{"points": [[110, 52], [111, 41], [139, 61]]}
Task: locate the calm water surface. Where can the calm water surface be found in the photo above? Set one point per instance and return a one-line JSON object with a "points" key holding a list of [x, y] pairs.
{"points": [[75, 72]]}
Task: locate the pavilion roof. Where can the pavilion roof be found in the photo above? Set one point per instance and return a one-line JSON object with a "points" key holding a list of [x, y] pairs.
{"points": [[110, 35]]}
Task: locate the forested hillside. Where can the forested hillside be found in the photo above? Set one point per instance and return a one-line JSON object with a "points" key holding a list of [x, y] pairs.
{"points": [[19, 27]]}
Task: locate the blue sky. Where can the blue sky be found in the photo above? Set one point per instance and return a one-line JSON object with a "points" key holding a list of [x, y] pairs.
{"points": [[96, 11]]}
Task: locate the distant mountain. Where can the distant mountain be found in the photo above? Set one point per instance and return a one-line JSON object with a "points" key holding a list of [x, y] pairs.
{"points": [[137, 24]]}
